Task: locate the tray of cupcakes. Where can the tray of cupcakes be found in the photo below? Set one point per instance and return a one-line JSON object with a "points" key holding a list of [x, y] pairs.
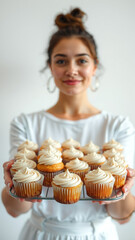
{"points": [[68, 172]]}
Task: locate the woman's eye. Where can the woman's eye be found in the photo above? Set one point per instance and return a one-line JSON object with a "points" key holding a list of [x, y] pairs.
{"points": [[60, 61], [82, 61]]}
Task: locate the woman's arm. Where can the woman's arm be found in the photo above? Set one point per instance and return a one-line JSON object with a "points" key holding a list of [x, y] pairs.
{"points": [[123, 209]]}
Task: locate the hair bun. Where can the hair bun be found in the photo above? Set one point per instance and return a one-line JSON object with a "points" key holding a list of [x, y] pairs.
{"points": [[72, 19]]}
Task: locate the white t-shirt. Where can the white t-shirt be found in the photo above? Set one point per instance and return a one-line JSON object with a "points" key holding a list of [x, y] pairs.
{"points": [[99, 129]]}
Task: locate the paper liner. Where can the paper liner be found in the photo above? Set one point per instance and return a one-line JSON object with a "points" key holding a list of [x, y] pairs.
{"points": [[119, 180], [67, 195], [48, 177], [27, 190], [99, 190]]}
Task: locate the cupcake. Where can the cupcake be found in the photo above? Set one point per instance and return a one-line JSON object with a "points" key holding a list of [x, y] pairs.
{"points": [[31, 155], [112, 144], [90, 148], [99, 184], [27, 183], [29, 145], [119, 172], [120, 160], [70, 143], [67, 187], [51, 142], [94, 160], [50, 164], [21, 164], [71, 154], [112, 153], [79, 167]]}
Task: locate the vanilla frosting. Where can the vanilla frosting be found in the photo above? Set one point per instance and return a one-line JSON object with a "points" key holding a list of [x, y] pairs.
{"points": [[25, 152], [70, 142], [23, 163], [113, 167], [29, 145], [89, 148], [113, 144], [67, 179], [50, 156], [94, 158], [52, 149], [120, 160], [51, 142], [27, 175], [112, 153], [77, 165], [72, 153], [99, 176]]}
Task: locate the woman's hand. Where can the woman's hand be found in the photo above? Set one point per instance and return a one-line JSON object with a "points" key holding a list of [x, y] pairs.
{"points": [[9, 182], [125, 189]]}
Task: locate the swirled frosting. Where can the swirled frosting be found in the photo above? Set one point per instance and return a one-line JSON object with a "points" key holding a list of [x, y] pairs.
{"points": [[120, 160], [94, 158], [89, 148], [99, 176], [113, 144], [77, 165], [50, 156], [23, 163], [54, 150], [27, 175], [51, 142], [113, 167], [112, 153], [29, 145], [69, 143], [25, 152], [72, 153], [67, 179]]}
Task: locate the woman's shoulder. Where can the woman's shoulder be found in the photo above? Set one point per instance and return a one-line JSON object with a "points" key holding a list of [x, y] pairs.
{"points": [[26, 117]]}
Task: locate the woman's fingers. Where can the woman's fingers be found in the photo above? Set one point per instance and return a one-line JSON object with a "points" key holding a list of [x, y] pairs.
{"points": [[128, 185], [7, 175], [131, 172]]}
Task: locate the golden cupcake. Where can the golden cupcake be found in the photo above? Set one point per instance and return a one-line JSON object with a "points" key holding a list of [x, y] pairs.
{"points": [[99, 184], [94, 160], [90, 148], [21, 164], [31, 155], [70, 143], [67, 187], [51, 142], [27, 183], [50, 164], [29, 145], [71, 154], [119, 172], [78, 167], [112, 144]]}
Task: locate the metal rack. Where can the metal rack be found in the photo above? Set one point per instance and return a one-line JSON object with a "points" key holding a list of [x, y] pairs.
{"points": [[47, 194]]}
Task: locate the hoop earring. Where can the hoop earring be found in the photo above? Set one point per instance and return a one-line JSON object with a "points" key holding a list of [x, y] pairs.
{"points": [[94, 87], [48, 85]]}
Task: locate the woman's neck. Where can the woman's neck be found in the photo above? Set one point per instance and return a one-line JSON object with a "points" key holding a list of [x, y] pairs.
{"points": [[73, 107]]}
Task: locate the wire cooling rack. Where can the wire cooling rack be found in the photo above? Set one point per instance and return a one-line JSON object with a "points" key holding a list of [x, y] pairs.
{"points": [[47, 194]]}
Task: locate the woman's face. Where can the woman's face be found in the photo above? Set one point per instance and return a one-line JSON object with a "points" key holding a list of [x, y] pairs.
{"points": [[72, 66]]}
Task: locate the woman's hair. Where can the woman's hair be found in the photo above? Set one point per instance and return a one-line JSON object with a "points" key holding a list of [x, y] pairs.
{"points": [[69, 25]]}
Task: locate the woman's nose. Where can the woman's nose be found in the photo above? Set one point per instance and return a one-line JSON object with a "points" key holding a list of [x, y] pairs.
{"points": [[71, 70]]}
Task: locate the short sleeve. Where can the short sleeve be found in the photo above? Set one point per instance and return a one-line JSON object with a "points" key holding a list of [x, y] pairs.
{"points": [[18, 134], [125, 134]]}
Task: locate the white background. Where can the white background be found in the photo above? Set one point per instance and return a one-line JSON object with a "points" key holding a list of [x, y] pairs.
{"points": [[25, 26]]}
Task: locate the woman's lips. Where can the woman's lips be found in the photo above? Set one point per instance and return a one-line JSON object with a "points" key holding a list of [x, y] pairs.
{"points": [[72, 82]]}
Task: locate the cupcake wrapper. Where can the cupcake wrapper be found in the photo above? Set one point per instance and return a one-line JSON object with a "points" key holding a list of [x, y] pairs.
{"points": [[98, 190], [26, 190], [48, 177], [119, 180], [94, 166], [67, 195], [81, 174]]}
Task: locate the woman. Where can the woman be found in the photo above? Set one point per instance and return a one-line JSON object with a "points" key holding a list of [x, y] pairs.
{"points": [[73, 61]]}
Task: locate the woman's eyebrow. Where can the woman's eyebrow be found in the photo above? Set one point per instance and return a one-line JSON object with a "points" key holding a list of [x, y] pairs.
{"points": [[77, 55]]}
